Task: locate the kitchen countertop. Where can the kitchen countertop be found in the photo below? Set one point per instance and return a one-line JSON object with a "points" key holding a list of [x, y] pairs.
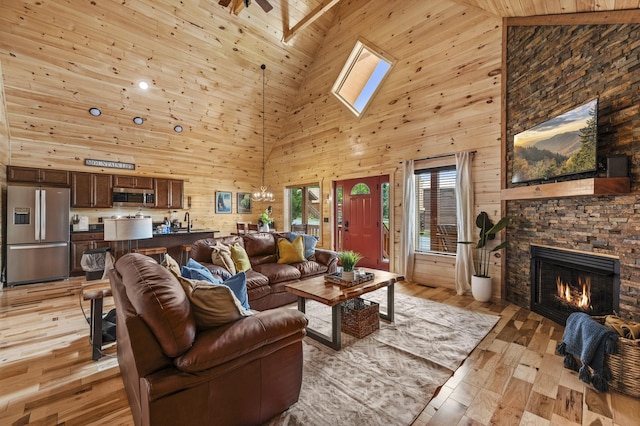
{"points": [[93, 228], [185, 232]]}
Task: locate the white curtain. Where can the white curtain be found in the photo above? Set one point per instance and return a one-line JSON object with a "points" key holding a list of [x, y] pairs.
{"points": [[408, 227], [464, 211]]}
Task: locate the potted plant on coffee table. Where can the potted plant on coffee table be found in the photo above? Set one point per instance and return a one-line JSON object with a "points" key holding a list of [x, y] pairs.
{"points": [[481, 283], [348, 259]]}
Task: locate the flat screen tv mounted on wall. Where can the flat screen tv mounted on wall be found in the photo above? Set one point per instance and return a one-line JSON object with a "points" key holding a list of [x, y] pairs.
{"points": [[562, 146]]}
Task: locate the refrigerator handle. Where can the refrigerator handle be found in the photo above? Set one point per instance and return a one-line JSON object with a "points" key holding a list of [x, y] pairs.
{"points": [[43, 214], [37, 216]]}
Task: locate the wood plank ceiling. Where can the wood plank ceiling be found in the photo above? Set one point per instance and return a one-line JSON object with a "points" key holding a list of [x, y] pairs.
{"points": [[59, 58]]}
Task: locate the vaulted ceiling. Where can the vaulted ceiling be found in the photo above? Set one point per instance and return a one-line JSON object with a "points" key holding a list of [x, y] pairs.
{"points": [[202, 61], [59, 58]]}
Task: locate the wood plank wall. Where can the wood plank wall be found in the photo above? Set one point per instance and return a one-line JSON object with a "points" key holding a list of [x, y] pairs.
{"points": [[203, 66], [4, 158], [442, 96]]}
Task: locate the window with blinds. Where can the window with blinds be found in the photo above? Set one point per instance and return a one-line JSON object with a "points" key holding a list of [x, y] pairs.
{"points": [[436, 210]]}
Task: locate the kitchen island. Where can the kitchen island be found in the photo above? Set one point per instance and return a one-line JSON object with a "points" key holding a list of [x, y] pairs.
{"points": [[174, 240], [94, 238]]}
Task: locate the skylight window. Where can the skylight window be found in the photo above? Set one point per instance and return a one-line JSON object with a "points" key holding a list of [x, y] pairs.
{"points": [[361, 77]]}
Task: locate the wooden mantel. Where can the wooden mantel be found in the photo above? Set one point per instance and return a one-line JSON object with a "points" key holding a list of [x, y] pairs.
{"points": [[572, 188]]}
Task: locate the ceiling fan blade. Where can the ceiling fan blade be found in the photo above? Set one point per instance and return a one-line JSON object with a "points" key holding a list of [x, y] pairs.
{"points": [[265, 5]]}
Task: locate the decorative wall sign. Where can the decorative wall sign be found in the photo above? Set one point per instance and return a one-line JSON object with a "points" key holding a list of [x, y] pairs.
{"points": [[109, 164]]}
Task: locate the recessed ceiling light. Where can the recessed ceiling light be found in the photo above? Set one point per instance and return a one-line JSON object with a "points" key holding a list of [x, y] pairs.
{"points": [[138, 120], [95, 111], [177, 129], [143, 85]]}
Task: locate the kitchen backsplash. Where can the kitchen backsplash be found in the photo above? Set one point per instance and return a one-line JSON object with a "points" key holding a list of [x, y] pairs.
{"points": [[96, 216]]}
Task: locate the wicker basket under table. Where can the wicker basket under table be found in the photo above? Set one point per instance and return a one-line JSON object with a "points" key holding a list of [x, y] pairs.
{"points": [[624, 365], [360, 317]]}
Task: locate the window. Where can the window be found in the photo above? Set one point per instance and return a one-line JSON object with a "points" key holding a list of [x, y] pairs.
{"points": [[436, 210], [360, 189], [305, 209], [361, 77], [386, 234]]}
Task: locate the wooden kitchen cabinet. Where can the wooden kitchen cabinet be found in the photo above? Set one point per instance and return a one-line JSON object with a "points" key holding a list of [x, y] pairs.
{"points": [[81, 242], [91, 190], [38, 176], [121, 181], [169, 193]]}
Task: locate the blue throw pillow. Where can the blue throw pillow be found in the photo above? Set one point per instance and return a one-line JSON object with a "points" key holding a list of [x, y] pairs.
{"points": [[309, 243], [238, 285], [197, 271]]}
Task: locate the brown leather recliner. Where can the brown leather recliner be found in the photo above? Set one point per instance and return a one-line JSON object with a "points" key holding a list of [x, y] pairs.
{"points": [[241, 373]]}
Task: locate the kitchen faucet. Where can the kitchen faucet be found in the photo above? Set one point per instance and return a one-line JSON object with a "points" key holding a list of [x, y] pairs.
{"points": [[187, 219]]}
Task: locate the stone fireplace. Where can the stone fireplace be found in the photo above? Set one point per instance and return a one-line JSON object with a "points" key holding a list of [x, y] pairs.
{"points": [[550, 68], [567, 281]]}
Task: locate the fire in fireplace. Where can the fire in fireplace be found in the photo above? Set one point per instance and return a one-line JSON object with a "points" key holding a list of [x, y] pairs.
{"points": [[567, 281], [575, 295]]}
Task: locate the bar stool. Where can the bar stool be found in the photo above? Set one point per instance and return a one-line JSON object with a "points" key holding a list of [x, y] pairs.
{"points": [[241, 228], [185, 253], [151, 251], [96, 296]]}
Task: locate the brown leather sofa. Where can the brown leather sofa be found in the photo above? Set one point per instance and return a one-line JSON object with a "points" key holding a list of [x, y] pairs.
{"points": [[241, 373], [266, 278]]}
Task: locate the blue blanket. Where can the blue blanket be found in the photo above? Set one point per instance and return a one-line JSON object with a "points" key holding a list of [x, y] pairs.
{"points": [[589, 341]]}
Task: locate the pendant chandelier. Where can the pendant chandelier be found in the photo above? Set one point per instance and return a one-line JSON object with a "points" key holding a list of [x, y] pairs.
{"points": [[263, 194]]}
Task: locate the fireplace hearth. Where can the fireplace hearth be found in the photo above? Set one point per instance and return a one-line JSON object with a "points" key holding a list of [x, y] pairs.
{"points": [[567, 281]]}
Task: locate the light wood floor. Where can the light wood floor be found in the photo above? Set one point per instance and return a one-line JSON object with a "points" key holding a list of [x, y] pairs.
{"points": [[513, 377]]}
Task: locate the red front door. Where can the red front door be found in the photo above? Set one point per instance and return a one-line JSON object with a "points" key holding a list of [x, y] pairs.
{"points": [[361, 220]]}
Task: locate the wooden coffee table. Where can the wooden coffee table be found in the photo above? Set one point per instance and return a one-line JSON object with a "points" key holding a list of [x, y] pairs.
{"points": [[333, 295]]}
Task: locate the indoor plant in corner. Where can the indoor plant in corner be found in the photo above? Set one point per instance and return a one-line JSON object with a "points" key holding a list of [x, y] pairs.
{"points": [[481, 283], [348, 260]]}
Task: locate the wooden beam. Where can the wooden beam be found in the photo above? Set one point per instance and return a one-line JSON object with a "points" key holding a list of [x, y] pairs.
{"points": [[571, 188], [310, 18], [237, 6]]}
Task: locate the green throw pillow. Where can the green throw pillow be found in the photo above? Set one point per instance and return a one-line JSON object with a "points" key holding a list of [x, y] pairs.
{"points": [[240, 258]]}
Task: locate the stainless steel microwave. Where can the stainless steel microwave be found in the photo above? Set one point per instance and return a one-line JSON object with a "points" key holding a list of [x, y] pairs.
{"points": [[132, 197]]}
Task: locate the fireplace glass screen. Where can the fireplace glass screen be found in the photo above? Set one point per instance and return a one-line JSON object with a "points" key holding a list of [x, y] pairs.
{"points": [[569, 290], [563, 285]]}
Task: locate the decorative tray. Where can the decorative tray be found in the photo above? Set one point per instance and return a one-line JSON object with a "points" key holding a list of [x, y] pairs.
{"points": [[336, 278]]}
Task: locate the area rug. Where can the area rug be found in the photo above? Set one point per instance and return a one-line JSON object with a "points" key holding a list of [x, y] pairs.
{"points": [[388, 377]]}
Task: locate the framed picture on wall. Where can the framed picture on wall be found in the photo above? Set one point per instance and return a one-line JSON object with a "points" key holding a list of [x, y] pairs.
{"points": [[244, 202], [223, 202]]}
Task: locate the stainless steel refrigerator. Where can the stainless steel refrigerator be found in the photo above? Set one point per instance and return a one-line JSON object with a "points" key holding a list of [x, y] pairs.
{"points": [[37, 234]]}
